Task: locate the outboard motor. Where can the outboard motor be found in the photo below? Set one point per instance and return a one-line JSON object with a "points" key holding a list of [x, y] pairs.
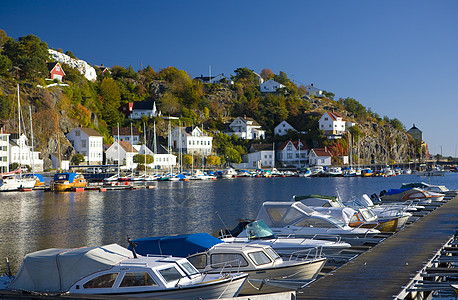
{"points": [[382, 193], [375, 199]]}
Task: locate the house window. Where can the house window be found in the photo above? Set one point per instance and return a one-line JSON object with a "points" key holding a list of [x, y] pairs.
{"points": [[289, 156], [83, 143], [325, 119], [265, 156], [77, 133], [289, 148]]}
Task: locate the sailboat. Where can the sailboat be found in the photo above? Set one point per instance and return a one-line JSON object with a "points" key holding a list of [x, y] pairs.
{"points": [[13, 181]]}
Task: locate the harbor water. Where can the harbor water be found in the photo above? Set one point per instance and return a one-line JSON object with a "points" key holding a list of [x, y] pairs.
{"points": [[31, 221]]}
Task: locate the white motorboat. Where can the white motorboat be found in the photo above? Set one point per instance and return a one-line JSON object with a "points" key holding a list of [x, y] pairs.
{"points": [[359, 213], [257, 232], [334, 172], [229, 173], [425, 186], [113, 270], [298, 220], [414, 194], [261, 262], [14, 182]]}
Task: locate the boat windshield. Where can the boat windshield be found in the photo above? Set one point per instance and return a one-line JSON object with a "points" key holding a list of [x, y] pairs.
{"points": [[170, 274], [189, 268], [259, 230]]}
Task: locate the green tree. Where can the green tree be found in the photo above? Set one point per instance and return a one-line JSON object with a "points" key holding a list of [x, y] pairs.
{"points": [[140, 159], [5, 107], [3, 37], [397, 124], [70, 53], [233, 156], [5, 65], [111, 100], [77, 158], [187, 159], [30, 53], [354, 107]]}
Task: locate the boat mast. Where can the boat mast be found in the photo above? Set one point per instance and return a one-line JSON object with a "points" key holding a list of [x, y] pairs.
{"points": [[144, 137], [180, 147], [31, 131], [119, 145], [132, 149], [202, 146], [19, 129]]}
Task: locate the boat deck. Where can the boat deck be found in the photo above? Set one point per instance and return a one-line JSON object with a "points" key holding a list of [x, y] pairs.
{"points": [[381, 272]]}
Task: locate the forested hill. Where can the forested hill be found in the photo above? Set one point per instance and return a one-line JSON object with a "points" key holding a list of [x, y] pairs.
{"points": [[95, 104]]}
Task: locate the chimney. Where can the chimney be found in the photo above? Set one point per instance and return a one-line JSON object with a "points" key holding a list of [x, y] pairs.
{"points": [[312, 84]]}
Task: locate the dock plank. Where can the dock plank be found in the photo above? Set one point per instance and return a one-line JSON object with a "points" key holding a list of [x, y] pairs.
{"points": [[382, 271]]}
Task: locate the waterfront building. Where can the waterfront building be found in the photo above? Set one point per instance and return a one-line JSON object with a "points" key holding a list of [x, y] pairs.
{"points": [[246, 128], [332, 124], [320, 157], [121, 151], [4, 146], [21, 153], [283, 128], [88, 142], [258, 156], [126, 134], [270, 86], [293, 153], [191, 140]]}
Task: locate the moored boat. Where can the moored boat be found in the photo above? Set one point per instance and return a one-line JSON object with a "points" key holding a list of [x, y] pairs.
{"points": [[260, 262], [67, 181], [113, 270]]}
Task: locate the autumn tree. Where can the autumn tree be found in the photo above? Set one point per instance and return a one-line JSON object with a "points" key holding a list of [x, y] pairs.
{"points": [[267, 74], [213, 160]]}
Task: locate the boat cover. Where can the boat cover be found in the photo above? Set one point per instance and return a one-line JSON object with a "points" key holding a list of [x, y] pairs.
{"points": [[177, 245], [65, 176], [281, 214], [56, 270]]}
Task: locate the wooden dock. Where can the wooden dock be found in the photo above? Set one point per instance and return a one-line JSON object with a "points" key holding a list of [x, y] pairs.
{"points": [[383, 271]]}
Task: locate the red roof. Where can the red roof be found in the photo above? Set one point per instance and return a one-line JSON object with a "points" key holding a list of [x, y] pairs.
{"points": [[321, 152], [334, 115]]}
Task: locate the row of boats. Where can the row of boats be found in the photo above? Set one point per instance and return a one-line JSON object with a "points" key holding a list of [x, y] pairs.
{"points": [[283, 249]]}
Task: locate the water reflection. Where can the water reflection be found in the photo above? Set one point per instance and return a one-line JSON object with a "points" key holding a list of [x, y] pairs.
{"points": [[37, 220]]}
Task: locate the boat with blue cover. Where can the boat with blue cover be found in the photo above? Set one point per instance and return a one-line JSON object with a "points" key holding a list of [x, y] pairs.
{"points": [[67, 181], [266, 269]]}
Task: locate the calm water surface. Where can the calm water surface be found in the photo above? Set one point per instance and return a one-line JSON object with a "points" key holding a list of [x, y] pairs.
{"points": [[38, 220]]}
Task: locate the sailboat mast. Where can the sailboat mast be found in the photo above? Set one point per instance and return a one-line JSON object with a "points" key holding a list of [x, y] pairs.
{"points": [[119, 145], [19, 129], [31, 131], [132, 149], [144, 137]]}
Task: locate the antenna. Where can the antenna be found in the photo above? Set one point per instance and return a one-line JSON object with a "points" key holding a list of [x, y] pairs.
{"points": [[132, 245], [225, 227]]}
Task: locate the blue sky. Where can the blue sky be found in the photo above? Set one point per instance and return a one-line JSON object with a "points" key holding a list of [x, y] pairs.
{"points": [[400, 58]]}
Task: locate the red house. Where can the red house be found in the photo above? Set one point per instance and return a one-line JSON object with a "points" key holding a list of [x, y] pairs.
{"points": [[56, 71]]}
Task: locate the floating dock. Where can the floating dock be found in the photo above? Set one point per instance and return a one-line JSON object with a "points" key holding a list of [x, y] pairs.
{"points": [[384, 270]]}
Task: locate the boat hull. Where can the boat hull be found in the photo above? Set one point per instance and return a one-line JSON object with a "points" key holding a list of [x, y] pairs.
{"points": [[305, 271]]}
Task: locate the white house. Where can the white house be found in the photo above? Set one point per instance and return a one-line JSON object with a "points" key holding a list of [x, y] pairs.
{"points": [[189, 140], [88, 142], [293, 153], [126, 134], [313, 91], [19, 152], [246, 128], [283, 128], [320, 157], [258, 156], [270, 86], [64, 164], [144, 108], [333, 125], [160, 160], [123, 152], [4, 146], [215, 79]]}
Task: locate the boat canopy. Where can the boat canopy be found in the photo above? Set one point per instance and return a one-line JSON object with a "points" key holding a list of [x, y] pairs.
{"points": [[281, 214], [259, 230], [319, 200], [65, 176], [176, 245], [411, 185], [395, 191], [56, 270], [37, 176]]}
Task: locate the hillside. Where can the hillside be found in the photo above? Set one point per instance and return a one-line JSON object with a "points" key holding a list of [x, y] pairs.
{"points": [[94, 103]]}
